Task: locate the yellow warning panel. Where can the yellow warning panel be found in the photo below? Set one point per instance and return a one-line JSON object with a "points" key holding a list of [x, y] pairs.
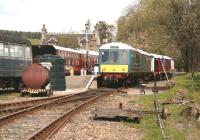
{"points": [[114, 68]]}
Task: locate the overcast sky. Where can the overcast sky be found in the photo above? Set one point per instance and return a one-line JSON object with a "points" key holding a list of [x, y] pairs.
{"points": [[59, 15]]}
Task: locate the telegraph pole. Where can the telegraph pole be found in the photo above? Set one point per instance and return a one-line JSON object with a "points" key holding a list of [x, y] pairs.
{"points": [[87, 28], [43, 40]]}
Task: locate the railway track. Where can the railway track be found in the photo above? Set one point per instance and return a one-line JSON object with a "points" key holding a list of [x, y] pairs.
{"points": [[43, 120], [8, 108]]}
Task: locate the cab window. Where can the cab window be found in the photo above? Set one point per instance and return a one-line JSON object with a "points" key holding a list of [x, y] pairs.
{"points": [[114, 57], [123, 55], [105, 56]]}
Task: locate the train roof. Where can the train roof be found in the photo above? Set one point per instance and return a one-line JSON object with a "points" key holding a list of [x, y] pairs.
{"points": [[143, 52], [160, 56], [117, 45], [65, 49], [52, 49], [81, 51]]}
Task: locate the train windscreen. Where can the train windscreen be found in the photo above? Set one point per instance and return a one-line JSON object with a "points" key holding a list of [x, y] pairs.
{"points": [[123, 57], [105, 56], [114, 57]]}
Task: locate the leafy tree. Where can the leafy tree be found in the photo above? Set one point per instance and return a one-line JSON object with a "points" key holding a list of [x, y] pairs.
{"points": [[181, 21], [167, 27], [27, 35], [105, 31], [68, 40]]}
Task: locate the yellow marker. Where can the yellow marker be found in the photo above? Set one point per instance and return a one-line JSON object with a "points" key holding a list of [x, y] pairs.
{"points": [[114, 68]]}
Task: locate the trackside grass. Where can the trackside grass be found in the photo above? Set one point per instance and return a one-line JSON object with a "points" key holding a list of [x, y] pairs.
{"points": [[178, 127], [8, 96]]}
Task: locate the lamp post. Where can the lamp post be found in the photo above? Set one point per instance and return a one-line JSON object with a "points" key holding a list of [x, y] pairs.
{"points": [[87, 28]]}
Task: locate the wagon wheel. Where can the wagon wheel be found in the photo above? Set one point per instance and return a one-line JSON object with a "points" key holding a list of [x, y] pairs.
{"points": [[49, 92], [16, 84]]}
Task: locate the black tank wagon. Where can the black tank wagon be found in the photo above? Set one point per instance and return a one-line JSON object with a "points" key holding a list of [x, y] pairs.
{"points": [[15, 56]]}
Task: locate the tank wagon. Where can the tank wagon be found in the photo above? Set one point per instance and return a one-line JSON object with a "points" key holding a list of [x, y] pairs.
{"points": [[44, 75], [51, 64], [75, 60], [121, 64], [15, 56]]}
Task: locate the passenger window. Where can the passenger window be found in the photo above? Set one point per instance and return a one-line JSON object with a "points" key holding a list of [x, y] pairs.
{"points": [[20, 52], [137, 58], [16, 51], [12, 51], [27, 52], [6, 50], [1, 49]]}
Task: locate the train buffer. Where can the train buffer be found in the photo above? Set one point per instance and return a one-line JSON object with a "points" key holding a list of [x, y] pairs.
{"points": [[142, 89], [116, 114]]}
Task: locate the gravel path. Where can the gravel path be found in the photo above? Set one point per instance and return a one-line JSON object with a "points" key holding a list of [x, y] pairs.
{"points": [[83, 127]]}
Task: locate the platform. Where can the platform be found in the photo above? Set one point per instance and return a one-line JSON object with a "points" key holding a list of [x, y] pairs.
{"points": [[80, 82]]}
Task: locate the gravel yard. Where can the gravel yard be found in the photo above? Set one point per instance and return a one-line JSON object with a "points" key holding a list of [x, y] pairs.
{"points": [[83, 127]]}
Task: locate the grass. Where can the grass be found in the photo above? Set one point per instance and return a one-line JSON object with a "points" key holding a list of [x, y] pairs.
{"points": [[7, 96], [176, 126]]}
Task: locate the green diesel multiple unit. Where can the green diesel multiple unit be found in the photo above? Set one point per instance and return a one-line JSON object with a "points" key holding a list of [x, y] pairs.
{"points": [[122, 64]]}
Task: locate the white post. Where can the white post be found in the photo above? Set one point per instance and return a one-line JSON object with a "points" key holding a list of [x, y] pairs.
{"points": [[164, 69]]}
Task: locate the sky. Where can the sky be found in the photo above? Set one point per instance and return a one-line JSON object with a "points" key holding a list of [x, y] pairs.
{"points": [[59, 15]]}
